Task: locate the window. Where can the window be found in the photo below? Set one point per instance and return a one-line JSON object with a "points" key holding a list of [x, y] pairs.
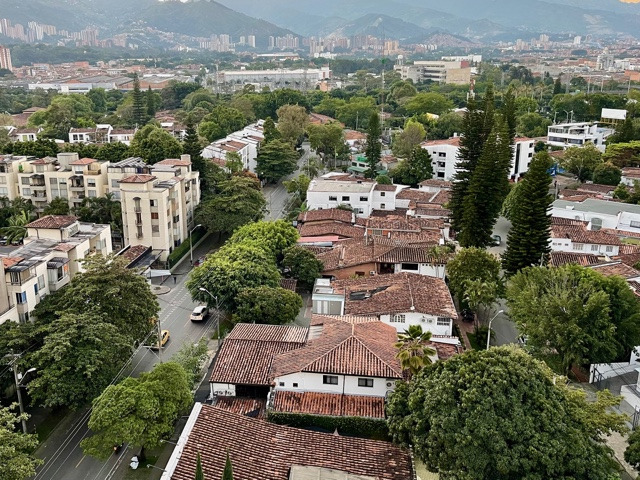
{"points": [[346, 198], [365, 382], [24, 180], [594, 248], [154, 215], [333, 198], [382, 194], [410, 266], [383, 206], [21, 298], [26, 192], [91, 183], [443, 322], [35, 288], [41, 281], [578, 246], [634, 224], [398, 318], [376, 231], [153, 203], [295, 385], [3, 180], [281, 384], [92, 193], [609, 249], [364, 199], [15, 278], [330, 379], [4, 191], [115, 183], [53, 181]]}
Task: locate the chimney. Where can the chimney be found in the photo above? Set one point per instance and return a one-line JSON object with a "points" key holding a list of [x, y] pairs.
{"points": [[185, 157]]}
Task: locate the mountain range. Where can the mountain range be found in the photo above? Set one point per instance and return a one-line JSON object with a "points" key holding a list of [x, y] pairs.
{"points": [[397, 19]]}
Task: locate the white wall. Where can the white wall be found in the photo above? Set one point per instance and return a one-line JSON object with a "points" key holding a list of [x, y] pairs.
{"points": [[427, 322], [321, 201], [223, 389], [347, 384], [437, 271]]}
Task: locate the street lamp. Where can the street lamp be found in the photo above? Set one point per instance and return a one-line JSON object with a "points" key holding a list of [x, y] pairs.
{"points": [[19, 377], [191, 242], [202, 289], [489, 332]]}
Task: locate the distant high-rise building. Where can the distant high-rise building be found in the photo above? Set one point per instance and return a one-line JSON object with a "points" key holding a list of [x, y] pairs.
{"points": [[251, 41], [5, 58], [577, 40]]}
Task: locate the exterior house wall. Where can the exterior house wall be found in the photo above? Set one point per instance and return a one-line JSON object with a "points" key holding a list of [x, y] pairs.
{"points": [[429, 270], [347, 384], [383, 200], [223, 389], [328, 304], [360, 202], [566, 245], [427, 322], [349, 272]]}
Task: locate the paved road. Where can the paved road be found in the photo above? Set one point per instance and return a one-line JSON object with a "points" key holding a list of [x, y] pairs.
{"points": [[61, 452]]}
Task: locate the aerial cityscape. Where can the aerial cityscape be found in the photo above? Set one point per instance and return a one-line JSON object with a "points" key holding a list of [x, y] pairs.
{"points": [[347, 240]]}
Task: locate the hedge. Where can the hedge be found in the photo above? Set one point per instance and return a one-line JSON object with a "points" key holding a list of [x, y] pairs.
{"points": [[183, 249], [353, 426]]}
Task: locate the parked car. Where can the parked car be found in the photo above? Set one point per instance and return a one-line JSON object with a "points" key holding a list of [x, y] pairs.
{"points": [[497, 240], [164, 338], [199, 313]]}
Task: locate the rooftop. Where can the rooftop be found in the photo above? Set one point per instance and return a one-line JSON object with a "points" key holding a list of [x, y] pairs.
{"points": [[336, 214], [581, 234], [616, 269], [595, 205], [559, 259], [138, 178], [337, 405], [323, 185], [264, 451], [53, 222]]}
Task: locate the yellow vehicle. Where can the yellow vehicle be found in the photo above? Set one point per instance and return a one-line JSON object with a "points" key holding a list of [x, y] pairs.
{"points": [[164, 338]]}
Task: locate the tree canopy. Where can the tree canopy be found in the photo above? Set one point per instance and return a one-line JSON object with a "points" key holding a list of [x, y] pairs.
{"points": [[153, 145], [275, 306], [477, 416], [16, 460], [302, 264], [274, 236]]}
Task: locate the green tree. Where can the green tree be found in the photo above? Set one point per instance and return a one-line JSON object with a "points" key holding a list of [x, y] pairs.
{"points": [[302, 264], [103, 210], [623, 154], [404, 143], [78, 359], [373, 149], [275, 306], [139, 411], [139, 110], [93, 291], [357, 112], [574, 312], [276, 159], [233, 162], [232, 269], [581, 161], [329, 106], [154, 144], [607, 174], [199, 472], [625, 132], [298, 187], [238, 202], [632, 452], [557, 86], [98, 97], [532, 125], [446, 126], [275, 236], [270, 131], [192, 357], [16, 460], [58, 206], [473, 265], [16, 231], [528, 238], [414, 169], [41, 148], [151, 103], [112, 152], [326, 139], [227, 473], [414, 349], [430, 102], [221, 122], [477, 415], [384, 180], [292, 121]]}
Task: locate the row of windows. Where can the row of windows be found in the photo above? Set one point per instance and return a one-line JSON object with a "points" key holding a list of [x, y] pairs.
{"points": [[333, 380], [347, 198]]}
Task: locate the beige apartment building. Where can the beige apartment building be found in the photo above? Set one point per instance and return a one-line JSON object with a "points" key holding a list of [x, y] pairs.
{"points": [[157, 207], [171, 184], [48, 260]]}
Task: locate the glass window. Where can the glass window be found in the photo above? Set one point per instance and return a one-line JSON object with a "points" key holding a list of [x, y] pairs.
{"points": [[365, 382], [333, 198], [53, 181], [398, 318], [578, 246], [594, 248], [364, 199], [635, 224], [443, 322], [24, 180], [330, 379], [346, 198], [382, 194], [609, 249]]}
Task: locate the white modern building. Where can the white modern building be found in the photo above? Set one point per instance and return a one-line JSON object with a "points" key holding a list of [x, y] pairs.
{"points": [[456, 72], [598, 214], [297, 79], [245, 142], [577, 238], [444, 156], [579, 134]]}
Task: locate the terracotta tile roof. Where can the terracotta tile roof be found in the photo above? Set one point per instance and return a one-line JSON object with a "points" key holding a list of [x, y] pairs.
{"points": [[247, 352], [385, 188], [365, 349], [433, 212], [582, 235], [568, 194], [633, 172], [142, 178], [445, 350], [410, 254], [336, 405], [317, 118], [427, 237], [453, 141], [635, 286], [413, 194], [630, 259], [567, 222], [11, 261], [398, 212], [596, 188], [335, 228], [175, 162], [83, 161], [327, 214], [434, 182], [354, 135], [621, 233], [134, 252], [122, 131], [317, 319], [398, 223], [64, 247], [558, 259], [242, 405], [398, 293], [53, 221], [264, 451], [616, 268], [629, 249], [442, 197]]}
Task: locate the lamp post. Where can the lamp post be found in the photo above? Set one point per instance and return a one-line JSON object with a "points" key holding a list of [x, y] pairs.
{"points": [[191, 242], [19, 378], [489, 332], [202, 289]]}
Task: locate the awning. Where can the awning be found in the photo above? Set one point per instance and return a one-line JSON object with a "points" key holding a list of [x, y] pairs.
{"points": [[57, 262]]}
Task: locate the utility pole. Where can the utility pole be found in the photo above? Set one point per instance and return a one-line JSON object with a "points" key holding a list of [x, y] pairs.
{"points": [[159, 338], [18, 378]]}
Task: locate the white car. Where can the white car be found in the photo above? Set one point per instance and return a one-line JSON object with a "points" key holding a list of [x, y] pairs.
{"points": [[199, 313]]}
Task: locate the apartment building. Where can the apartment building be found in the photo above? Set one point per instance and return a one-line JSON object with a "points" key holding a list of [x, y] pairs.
{"points": [[102, 133], [5, 58], [444, 155], [24, 134], [10, 166], [46, 262], [580, 134], [440, 71], [157, 207], [245, 142]]}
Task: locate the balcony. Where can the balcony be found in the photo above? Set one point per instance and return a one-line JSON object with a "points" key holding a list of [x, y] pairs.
{"points": [[38, 196]]}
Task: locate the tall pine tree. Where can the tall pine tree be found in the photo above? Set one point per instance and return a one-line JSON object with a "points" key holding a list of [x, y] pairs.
{"points": [[227, 474], [528, 239], [151, 103], [508, 111], [270, 131], [199, 472], [373, 149], [139, 113]]}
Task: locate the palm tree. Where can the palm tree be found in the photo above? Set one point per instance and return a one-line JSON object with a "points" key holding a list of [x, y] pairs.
{"points": [[414, 351], [17, 230]]}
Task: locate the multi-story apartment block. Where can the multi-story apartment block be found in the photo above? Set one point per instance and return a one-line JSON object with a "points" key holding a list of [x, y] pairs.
{"points": [[102, 133], [440, 71], [47, 261], [5, 58], [24, 134], [157, 207], [245, 142], [444, 156], [578, 135], [10, 166]]}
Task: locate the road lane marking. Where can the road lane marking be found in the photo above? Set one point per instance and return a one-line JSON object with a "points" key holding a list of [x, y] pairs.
{"points": [[78, 464]]}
